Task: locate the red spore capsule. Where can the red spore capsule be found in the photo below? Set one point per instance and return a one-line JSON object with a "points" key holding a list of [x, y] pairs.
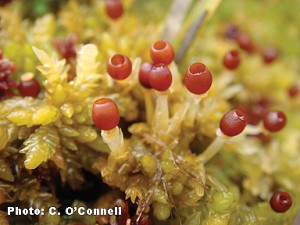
{"points": [[67, 47], [281, 202], [160, 77], [30, 88], [198, 79], [6, 68], [6, 84], [232, 60], [162, 52], [231, 31], [255, 114], [257, 111], [233, 123], [270, 55], [114, 8], [105, 114], [144, 74], [293, 91], [274, 120], [119, 67], [124, 211], [245, 42], [143, 219]]}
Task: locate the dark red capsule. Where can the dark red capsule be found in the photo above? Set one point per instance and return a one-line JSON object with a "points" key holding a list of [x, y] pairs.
{"points": [[114, 8], [257, 111], [162, 52], [233, 122], [270, 55], [144, 74], [274, 121], [255, 114], [245, 42], [6, 68], [231, 31], [293, 91], [119, 66], [144, 219], [6, 88], [281, 201], [67, 47], [105, 114], [160, 77], [122, 219], [232, 59], [30, 88], [198, 79]]}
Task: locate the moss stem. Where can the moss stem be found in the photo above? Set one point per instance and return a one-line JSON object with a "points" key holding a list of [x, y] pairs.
{"points": [[149, 108], [161, 115], [176, 86], [232, 90], [213, 148], [254, 130], [114, 139], [177, 119], [194, 108]]}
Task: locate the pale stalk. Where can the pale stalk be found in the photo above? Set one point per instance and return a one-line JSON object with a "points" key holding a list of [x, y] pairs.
{"points": [[176, 85], [223, 81], [109, 80], [148, 104], [214, 147], [194, 108], [114, 139], [161, 115], [177, 119], [254, 129], [115, 28], [232, 91]]}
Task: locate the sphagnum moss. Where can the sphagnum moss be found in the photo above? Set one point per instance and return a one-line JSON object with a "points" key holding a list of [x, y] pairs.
{"points": [[162, 166]]}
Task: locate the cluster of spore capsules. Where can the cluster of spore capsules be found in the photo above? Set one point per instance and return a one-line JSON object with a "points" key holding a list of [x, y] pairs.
{"points": [[28, 86], [6, 83], [198, 80]]}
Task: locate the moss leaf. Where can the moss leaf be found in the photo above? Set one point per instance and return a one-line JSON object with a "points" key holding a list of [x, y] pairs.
{"points": [[40, 146], [4, 137], [87, 77]]}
